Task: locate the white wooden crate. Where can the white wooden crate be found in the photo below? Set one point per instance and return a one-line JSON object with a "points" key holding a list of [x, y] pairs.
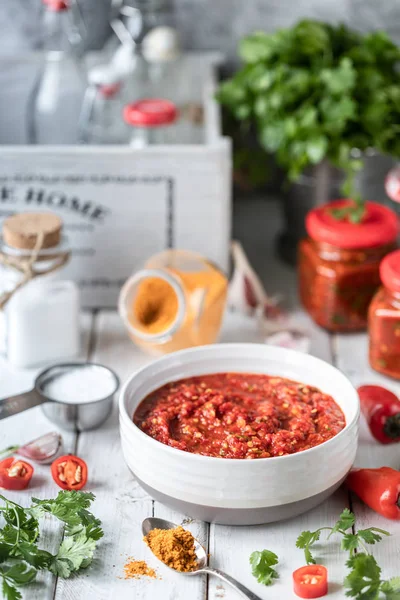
{"points": [[121, 205]]}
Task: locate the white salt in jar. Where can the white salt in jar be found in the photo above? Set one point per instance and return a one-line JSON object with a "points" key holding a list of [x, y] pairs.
{"points": [[40, 321]]}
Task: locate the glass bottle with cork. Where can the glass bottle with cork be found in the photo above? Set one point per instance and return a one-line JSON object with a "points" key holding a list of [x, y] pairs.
{"points": [[339, 262], [384, 320], [39, 310], [175, 302]]}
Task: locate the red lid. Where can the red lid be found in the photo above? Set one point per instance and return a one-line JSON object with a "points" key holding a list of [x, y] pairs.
{"points": [[390, 271], [56, 5], [108, 91], [150, 113], [379, 226]]}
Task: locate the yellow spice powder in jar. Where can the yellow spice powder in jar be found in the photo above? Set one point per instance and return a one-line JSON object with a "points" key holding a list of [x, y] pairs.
{"points": [[172, 308]]}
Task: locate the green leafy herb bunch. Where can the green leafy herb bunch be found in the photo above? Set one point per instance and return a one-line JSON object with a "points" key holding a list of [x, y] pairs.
{"points": [[316, 92]]}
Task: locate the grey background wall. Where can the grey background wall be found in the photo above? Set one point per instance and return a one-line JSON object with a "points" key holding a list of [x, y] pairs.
{"points": [[211, 24]]}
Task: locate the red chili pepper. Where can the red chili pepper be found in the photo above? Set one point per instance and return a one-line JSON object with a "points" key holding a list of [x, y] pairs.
{"points": [[69, 472], [378, 488], [310, 581], [381, 409], [15, 474]]}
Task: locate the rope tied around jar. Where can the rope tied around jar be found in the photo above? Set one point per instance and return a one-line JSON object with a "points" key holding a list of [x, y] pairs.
{"points": [[26, 264]]}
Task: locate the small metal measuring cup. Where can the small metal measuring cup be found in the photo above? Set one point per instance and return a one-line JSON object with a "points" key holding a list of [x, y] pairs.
{"points": [[69, 416]]}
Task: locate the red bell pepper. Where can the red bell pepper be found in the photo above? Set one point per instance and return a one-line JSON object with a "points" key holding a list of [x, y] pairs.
{"points": [[381, 409], [378, 488], [15, 474], [310, 581], [69, 472]]}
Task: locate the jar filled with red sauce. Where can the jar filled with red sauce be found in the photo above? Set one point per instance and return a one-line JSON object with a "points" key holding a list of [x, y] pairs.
{"points": [[339, 263], [384, 320]]}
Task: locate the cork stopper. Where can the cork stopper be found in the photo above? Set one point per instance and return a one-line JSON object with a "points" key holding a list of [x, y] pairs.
{"points": [[21, 230]]}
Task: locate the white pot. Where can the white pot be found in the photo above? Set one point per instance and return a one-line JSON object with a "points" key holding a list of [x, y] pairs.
{"points": [[237, 491]]}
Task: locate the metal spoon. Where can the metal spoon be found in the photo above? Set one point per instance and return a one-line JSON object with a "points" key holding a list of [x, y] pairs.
{"points": [[153, 523]]}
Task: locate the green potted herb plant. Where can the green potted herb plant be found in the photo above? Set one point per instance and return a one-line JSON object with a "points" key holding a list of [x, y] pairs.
{"points": [[321, 98]]}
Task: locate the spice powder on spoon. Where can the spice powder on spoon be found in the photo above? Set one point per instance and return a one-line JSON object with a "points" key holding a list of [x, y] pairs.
{"points": [[174, 547]]}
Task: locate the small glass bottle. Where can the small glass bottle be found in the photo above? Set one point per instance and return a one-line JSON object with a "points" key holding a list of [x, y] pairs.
{"points": [[100, 120], [175, 302], [384, 320], [339, 263], [58, 94], [151, 120]]}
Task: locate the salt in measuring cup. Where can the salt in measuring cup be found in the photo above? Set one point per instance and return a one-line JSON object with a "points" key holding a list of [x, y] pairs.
{"points": [[75, 396]]}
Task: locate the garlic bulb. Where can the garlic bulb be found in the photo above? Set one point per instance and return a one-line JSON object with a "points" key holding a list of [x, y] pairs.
{"points": [[161, 44]]}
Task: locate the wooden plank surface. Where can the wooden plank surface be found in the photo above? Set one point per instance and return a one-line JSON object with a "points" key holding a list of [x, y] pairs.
{"points": [[122, 504]]}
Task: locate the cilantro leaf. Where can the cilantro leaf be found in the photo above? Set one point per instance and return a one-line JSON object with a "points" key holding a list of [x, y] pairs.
{"points": [[391, 588], [350, 542], [62, 567], [71, 507], [77, 549], [20, 573], [9, 591], [30, 553], [262, 566], [345, 521], [363, 581], [372, 535], [5, 550], [305, 540]]}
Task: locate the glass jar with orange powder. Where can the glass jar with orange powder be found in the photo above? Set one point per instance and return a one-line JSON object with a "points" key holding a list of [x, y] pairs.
{"points": [[177, 301], [339, 263], [384, 320]]}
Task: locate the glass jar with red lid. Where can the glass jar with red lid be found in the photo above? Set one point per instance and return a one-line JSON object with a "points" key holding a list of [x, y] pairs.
{"points": [[384, 320], [151, 120], [339, 262]]}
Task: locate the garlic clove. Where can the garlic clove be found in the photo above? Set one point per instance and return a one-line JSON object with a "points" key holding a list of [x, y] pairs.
{"points": [[43, 449], [246, 291]]}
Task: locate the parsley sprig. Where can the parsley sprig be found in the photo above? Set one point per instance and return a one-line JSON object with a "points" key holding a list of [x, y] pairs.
{"points": [[363, 582], [20, 556], [262, 566], [350, 541]]}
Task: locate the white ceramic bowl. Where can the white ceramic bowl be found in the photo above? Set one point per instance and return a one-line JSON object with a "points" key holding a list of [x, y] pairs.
{"points": [[235, 491]]}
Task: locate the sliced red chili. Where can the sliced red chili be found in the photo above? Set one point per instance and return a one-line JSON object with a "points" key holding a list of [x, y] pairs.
{"points": [[69, 472], [15, 474], [310, 581]]}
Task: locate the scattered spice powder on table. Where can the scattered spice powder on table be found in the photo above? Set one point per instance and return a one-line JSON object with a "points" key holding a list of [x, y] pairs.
{"points": [[174, 547], [135, 569]]}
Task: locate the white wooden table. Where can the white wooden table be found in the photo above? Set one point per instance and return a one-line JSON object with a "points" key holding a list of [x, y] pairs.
{"points": [[122, 504]]}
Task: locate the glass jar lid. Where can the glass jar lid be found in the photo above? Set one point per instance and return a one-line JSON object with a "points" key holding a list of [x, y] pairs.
{"points": [[379, 226], [152, 112], [390, 271]]}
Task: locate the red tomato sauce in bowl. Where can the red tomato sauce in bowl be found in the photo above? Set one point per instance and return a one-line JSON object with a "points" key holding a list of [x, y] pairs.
{"points": [[239, 415]]}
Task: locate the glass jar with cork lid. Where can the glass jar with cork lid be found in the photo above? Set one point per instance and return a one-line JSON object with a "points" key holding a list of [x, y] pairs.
{"points": [[175, 302], [39, 311]]}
